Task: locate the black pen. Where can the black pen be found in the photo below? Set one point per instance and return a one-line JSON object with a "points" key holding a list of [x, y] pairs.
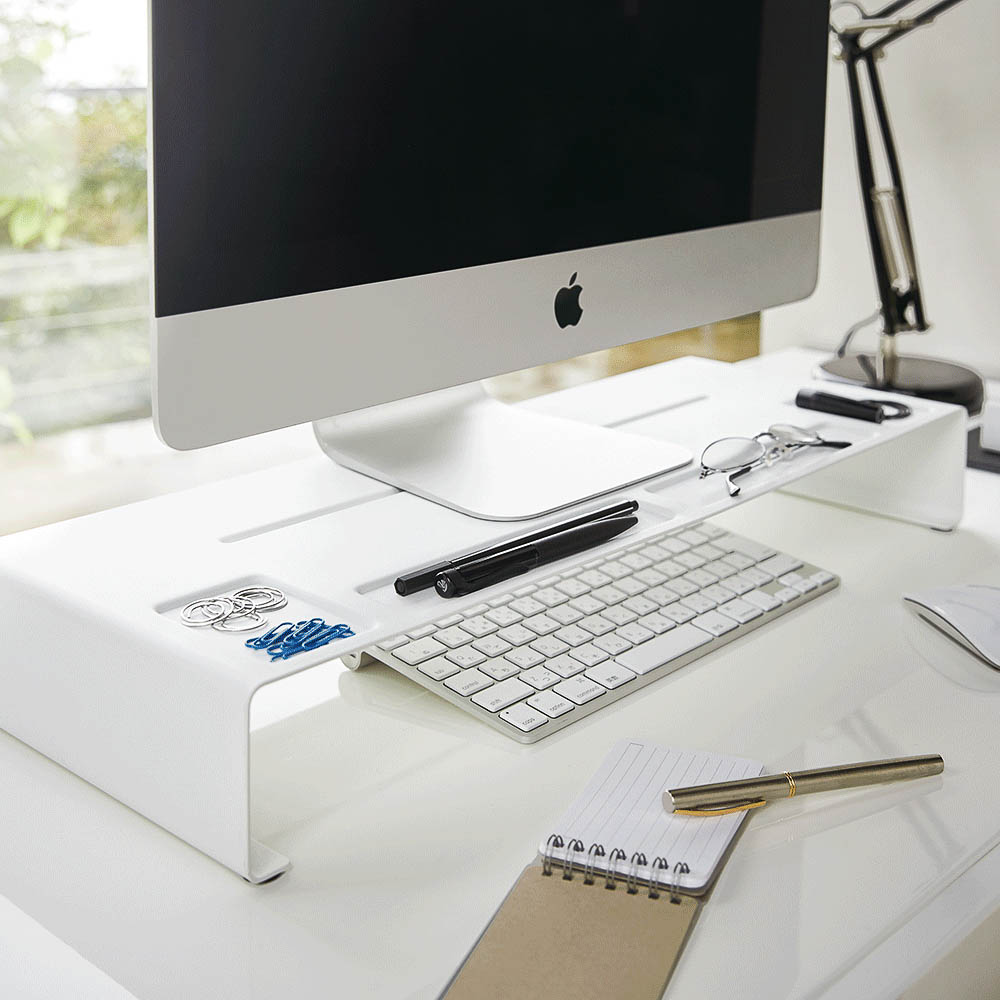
{"points": [[421, 579], [482, 573]]}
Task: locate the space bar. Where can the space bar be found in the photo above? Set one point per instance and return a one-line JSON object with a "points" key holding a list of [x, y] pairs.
{"points": [[664, 648]]}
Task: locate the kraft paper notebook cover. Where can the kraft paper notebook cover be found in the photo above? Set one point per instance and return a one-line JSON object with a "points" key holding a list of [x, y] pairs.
{"points": [[606, 910]]}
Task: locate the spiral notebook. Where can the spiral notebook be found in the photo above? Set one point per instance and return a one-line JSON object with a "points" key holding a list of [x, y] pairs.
{"points": [[617, 875]]}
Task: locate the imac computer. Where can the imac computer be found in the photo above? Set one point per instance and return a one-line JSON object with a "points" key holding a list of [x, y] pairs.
{"points": [[362, 209]]}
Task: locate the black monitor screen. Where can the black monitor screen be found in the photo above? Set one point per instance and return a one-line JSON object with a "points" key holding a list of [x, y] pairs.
{"points": [[302, 146]]}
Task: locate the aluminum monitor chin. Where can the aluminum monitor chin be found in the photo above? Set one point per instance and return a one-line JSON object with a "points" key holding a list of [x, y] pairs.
{"points": [[358, 203]]}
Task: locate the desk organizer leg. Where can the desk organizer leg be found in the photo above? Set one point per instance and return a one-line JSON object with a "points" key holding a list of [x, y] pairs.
{"points": [[917, 477], [164, 735]]}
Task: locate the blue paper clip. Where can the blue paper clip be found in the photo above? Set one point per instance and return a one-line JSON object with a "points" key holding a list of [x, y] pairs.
{"points": [[269, 637]]}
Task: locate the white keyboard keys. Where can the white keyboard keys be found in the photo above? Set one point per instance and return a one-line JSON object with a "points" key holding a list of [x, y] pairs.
{"points": [[550, 597], [466, 657], [517, 635], [762, 600], [527, 606], [821, 577], [740, 610], [499, 696], [523, 717], [524, 658], [587, 604], [572, 587], [678, 613], [419, 633], [635, 633], [661, 595], [619, 614], [500, 669], [491, 645], [755, 550], [597, 625], [612, 644], [503, 616], [550, 703], [389, 644], [438, 669], [450, 620], [579, 690], [589, 655], [786, 594], [479, 625], [594, 578], [572, 635], [468, 682], [737, 560], [616, 570], [610, 675], [656, 623], [539, 678], [780, 564], [565, 666], [698, 603], [453, 637], [632, 585], [416, 652], [664, 648], [565, 615], [549, 646], [693, 537], [541, 624], [610, 595], [714, 623]]}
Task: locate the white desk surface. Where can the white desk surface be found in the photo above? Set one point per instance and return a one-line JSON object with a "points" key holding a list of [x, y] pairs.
{"points": [[407, 821]]}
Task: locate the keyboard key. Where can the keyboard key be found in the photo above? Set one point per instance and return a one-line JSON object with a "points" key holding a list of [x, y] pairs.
{"points": [[632, 585], [800, 583], [565, 666], [439, 668], [708, 552], [690, 560], [635, 562], [516, 635], [468, 682], [501, 695], [524, 718], [496, 602], [550, 597], [762, 600], [450, 620], [699, 578], [610, 675], [549, 646], [416, 652], [661, 595], [522, 591], [780, 564], [740, 610], [654, 553], [527, 606], [716, 592], [549, 581], [573, 635], [684, 586], [612, 644], [678, 613], [524, 658], [619, 614], [589, 655], [693, 537], [500, 669], [698, 603], [635, 633], [565, 615], [651, 577], [720, 568], [738, 561], [673, 545], [597, 625], [739, 583], [550, 703], [610, 595], [757, 576], [419, 633], [572, 587], [615, 569], [539, 678], [594, 578], [656, 623], [640, 605], [466, 657], [541, 624], [478, 609], [671, 569], [588, 604], [479, 625], [453, 637], [579, 690], [664, 648], [821, 577], [711, 531], [786, 594], [714, 623], [754, 550], [390, 644], [491, 645], [503, 616]]}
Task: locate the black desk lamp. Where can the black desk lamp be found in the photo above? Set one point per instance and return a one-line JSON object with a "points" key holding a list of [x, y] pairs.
{"points": [[901, 309]]}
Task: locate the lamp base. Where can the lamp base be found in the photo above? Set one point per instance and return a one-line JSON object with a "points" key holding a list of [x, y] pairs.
{"points": [[914, 376]]}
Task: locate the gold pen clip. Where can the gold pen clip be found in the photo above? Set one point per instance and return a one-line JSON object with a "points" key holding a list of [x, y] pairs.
{"points": [[724, 810]]}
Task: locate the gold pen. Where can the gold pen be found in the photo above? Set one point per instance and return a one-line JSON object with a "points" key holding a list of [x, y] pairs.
{"points": [[750, 793]]}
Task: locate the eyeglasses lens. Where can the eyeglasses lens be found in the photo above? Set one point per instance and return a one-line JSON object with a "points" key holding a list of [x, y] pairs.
{"points": [[730, 454]]}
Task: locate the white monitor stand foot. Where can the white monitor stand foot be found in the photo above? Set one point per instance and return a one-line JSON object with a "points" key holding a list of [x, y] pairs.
{"points": [[466, 450]]}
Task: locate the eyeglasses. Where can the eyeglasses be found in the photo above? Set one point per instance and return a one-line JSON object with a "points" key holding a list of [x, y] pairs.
{"points": [[736, 456]]}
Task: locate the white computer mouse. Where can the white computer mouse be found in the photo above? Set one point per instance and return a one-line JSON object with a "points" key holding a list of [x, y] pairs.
{"points": [[968, 613]]}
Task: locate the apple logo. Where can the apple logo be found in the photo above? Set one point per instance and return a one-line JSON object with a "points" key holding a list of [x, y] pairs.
{"points": [[568, 308]]}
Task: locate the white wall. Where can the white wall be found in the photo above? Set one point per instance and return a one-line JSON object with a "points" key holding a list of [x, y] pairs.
{"points": [[942, 86]]}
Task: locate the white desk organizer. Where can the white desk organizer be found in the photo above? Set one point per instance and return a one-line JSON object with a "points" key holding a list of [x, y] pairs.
{"points": [[103, 679]]}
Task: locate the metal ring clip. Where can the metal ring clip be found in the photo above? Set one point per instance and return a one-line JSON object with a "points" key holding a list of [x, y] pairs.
{"points": [[616, 855], [632, 879], [554, 842], [681, 868], [596, 851], [658, 865], [572, 849]]}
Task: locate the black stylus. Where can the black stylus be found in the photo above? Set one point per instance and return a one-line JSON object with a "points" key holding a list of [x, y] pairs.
{"points": [[483, 573], [421, 579]]}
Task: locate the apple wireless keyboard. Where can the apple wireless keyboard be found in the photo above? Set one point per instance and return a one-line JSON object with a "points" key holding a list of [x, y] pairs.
{"points": [[535, 659]]}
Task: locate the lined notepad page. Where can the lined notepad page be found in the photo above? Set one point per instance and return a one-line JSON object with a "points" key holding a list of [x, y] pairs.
{"points": [[622, 807]]}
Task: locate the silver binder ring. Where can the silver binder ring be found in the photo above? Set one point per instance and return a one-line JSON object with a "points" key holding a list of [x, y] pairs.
{"points": [[632, 879], [658, 865], [680, 869], [616, 855], [571, 850], [596, 851], [554, 842]]}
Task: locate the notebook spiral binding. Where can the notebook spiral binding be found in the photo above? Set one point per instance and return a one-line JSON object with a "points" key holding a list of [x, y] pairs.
{"points": [[657, 871]]}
